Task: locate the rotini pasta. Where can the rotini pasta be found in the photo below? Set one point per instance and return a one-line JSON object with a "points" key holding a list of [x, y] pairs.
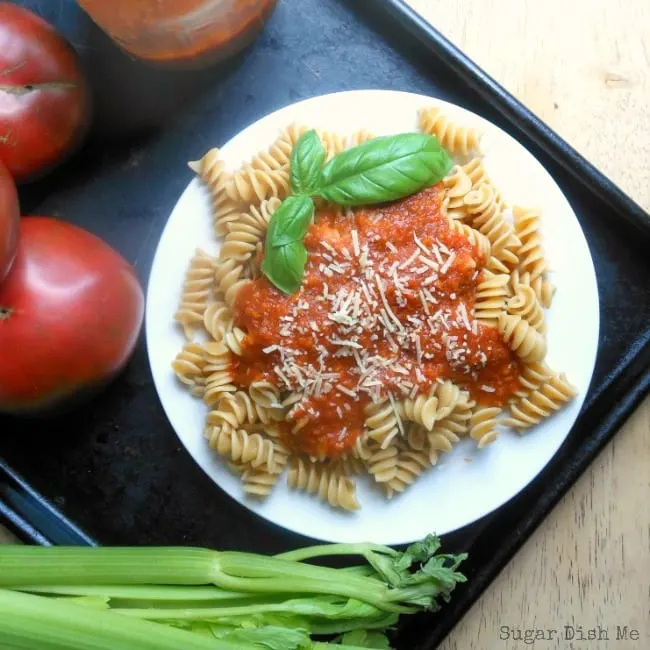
{"points": [[457, 139], [229, 279], [543, 287], [188, 366], [530, 253], [526, 304], [457, 184], [476, 238], [253, 186], [359, 137], [382, 462], [422, 410], [212, 171], [528, 343], [278, 154], [491, 295], [532, 378], [482, 425], [486, 214], [324, 480], [382, 422], [334, 143], [196, 292], [242, 447], [541, 403], [217, 319], [410, 464], [419, 326]]}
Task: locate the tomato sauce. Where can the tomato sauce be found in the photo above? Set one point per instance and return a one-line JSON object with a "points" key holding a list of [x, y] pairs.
{"points": [[181, 30], [385, 305]]}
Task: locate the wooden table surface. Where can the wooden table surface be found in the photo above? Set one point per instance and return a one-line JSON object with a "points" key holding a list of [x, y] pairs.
{"points": [[583, 66]]}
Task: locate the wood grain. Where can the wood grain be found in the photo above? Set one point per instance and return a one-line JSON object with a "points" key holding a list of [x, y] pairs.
{"points": [[584, 68]]}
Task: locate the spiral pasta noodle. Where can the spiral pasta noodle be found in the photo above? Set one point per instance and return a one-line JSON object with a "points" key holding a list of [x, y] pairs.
{"points": [[491, 295], [229, 278], [541, 403], [482, 425], [542, 286], [252, 186], [416, 436], [265, 394], [238, 410], [243, 447], [457, 184], [475, 170], [486, 214], [410, 464], [476, 238], [532, 378], [333, 142], [217, 319], [196, 292], [211, 169], [278, 155], [259, 482], [382, 422], [382, 462], [457, 139], [234, 339], [188, 366], [422, 410], [526, 304], [527, 342], [217, 372], [359, 137], [531, 255], [448, 395], [327, 482], [255, 221], [457, 423]]}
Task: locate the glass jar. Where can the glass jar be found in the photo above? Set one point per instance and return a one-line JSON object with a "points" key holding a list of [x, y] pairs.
{"points": [[190, 32]]}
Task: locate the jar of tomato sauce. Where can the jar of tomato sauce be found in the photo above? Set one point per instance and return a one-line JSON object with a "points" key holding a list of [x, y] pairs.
{"points": [[190, 32]]}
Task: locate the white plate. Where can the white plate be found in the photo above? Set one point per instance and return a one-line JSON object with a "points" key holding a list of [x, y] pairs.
{"points": [[456, 492]]}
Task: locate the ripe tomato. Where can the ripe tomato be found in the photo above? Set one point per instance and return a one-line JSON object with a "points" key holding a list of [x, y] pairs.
{"points": [[71, 310], [9, 216], [45, 103]]}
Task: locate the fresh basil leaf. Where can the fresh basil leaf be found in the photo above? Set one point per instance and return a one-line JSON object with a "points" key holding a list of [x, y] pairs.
{"points": [[307, 159], [284, 266], [290, 221], [386, 168]]}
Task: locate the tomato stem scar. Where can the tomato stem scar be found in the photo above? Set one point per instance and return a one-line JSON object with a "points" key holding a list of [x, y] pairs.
{"points": [[5, 313]]}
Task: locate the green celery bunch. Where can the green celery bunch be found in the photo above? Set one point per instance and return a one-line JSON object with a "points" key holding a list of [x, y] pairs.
{"points": [[217, 599]]}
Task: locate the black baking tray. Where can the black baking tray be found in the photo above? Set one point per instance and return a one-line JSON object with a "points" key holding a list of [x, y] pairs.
{"points": [[116, 467]]}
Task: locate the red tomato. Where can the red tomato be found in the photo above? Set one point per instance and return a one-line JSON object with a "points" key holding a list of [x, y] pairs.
{"points": [[71, 310], [44, 99], [9, 216]]}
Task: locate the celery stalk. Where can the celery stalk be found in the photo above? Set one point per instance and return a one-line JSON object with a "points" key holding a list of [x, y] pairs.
{"points": [[33, 565], [148, 593], [30, 622]]}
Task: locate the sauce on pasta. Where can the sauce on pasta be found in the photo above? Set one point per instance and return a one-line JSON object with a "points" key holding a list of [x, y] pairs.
{"points": [[385, 309]]}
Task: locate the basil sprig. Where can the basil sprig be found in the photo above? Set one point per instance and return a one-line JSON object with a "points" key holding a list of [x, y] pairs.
{"points": [[383, 169], [307, 159], [285, 255]]}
